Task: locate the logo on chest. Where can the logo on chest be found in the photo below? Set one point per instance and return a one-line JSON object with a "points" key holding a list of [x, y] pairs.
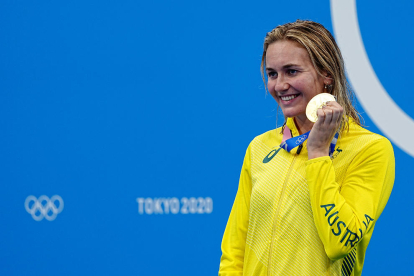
{"points": [[270, 155], [336, 153]]}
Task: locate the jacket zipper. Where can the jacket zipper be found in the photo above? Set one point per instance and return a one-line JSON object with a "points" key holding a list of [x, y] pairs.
{"points": [[277, 214]]}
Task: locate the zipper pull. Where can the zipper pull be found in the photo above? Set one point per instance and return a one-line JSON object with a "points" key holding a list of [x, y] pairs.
{"points": [[299, 149]]}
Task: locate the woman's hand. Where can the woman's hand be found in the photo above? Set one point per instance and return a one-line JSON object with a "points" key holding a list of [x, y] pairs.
{"points": [[323, 131]]}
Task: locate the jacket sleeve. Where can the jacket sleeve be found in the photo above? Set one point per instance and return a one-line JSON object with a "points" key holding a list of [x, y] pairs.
{"points": [[344, 213], [234, 238]]}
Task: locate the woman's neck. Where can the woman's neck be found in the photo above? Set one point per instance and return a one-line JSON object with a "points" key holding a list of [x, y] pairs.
{"points": [[303, 124]]}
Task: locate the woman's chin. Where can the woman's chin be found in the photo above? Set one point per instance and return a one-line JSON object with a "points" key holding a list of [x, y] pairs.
{"points": [[291, 113]]}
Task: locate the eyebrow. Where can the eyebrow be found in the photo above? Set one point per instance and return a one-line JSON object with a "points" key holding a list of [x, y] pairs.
{"points": [[284, 66], [290, 65]]}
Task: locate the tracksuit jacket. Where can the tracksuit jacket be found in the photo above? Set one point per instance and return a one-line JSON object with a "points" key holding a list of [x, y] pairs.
{"points": [[294, 216]]}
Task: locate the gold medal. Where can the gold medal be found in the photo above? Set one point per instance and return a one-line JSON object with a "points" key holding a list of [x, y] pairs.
{"points": [[317, 102]]}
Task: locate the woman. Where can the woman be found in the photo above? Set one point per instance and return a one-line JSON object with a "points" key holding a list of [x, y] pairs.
{"points": [[309, 210]]}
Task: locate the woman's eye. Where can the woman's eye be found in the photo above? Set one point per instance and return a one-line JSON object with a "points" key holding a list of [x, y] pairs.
{"points": [[292, 71], [271, 74]]}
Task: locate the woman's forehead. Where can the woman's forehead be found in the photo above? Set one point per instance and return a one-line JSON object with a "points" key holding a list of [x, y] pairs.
{"points": [[285, 52]]}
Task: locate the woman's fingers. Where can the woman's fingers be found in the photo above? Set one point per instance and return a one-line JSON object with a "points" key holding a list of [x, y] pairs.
{"points": [[321, 116], [337, 113], [331, 114], [324, 129], [328, 115]]}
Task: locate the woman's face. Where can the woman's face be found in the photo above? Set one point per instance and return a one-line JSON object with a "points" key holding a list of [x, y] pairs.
{"points": [[292, 79]]}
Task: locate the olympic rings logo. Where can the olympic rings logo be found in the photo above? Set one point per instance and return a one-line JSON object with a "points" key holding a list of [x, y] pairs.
{"points": [[301, 139], [43, 207]]}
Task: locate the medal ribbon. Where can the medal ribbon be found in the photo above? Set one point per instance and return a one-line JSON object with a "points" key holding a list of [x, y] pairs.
{"points": [[291, 143]]}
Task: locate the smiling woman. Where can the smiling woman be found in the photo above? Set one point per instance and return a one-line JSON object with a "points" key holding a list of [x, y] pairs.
{"points": [[319, 53], [292, 79], [309, 211]]}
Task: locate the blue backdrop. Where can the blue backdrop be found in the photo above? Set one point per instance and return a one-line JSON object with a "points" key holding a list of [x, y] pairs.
{"points": [[135, 117]]}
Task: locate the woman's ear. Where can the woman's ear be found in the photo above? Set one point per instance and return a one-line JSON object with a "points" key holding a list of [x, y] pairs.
{"points": [[327, 81], [327, 78]]}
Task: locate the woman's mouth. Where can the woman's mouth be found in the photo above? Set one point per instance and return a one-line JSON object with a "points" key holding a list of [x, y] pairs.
{"points": [[288, 97]]}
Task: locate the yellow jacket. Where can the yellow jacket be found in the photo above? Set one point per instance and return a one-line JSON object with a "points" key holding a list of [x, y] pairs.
{"points": [[294, 216]]}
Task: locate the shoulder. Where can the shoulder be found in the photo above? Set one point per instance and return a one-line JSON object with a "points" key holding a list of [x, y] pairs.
{"points": [[269, 139], [365, 141]]}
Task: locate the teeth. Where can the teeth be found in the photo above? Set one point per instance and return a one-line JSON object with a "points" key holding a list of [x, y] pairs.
{"points": [[288, 98]]}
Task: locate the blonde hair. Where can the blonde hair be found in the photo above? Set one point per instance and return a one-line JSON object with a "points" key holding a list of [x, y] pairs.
{"points": [[325, 56]]}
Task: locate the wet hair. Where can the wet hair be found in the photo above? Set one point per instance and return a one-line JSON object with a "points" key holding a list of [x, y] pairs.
{"points": [[325, 56]]}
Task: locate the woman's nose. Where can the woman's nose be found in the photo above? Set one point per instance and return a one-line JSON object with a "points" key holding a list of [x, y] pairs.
{"points": [[281, 84]]}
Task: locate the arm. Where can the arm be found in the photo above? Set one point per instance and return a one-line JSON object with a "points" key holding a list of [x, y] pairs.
{"points": [[234, 238], [344, 214]]}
